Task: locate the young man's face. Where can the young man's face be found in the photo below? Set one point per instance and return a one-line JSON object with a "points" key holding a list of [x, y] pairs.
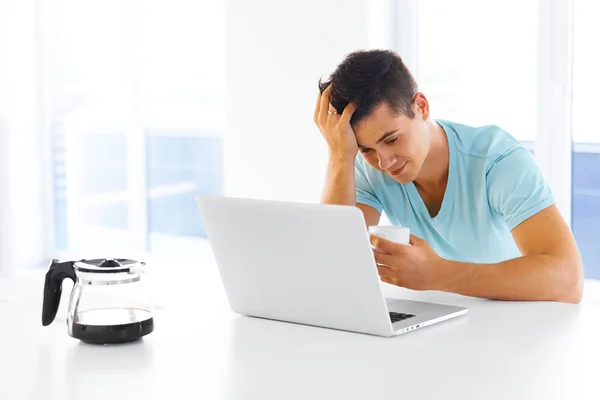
{"points": [[395, 145]]}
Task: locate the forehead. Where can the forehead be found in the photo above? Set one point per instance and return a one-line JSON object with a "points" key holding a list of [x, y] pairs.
{"points": [[382, 120]]}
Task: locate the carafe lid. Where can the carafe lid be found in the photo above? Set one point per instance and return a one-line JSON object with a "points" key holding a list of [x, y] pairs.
{"points": [[107, 265]]}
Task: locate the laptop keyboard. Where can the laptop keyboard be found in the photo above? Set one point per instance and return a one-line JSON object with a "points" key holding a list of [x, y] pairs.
{"points": [[395, 316]]}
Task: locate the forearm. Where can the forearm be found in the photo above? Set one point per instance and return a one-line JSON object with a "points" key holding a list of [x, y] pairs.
{"points": [[340, 186], [533, 277]]}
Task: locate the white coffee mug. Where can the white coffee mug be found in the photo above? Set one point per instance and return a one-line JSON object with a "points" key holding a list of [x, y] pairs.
{"points": [[398, 234]]}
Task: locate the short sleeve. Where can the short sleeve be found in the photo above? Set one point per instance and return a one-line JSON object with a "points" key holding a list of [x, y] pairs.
{"points": [[516, 187], [364, 191]]}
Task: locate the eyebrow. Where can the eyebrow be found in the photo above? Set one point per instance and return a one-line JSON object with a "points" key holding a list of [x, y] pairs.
{"points": [[381, 139]]}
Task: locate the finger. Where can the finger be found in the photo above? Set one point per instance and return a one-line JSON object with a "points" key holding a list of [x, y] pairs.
{"points": [[324, 106], [385, 245], [384, 272], [348, 111], [415, 240], [390, 280], [384, 259], [317, 108], [387, 280]]}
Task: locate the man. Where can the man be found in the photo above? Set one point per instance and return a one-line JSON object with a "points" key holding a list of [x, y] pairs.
{"points": [[484, 219]]}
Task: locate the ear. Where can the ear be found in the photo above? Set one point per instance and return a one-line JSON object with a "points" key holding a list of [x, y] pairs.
{"points": [[421, 105]]}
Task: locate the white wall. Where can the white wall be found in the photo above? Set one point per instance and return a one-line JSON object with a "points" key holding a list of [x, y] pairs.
{"points": [[21, 200], [276, 51], [5, 256], [5, 220]]}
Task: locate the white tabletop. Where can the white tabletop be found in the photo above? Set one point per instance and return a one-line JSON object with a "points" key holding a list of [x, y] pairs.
{"points": [[200, 349]]}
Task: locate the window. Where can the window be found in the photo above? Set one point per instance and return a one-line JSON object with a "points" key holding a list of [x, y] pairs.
{"points": [[586, 135], [476, 71], [135, 110], [479, 62]]}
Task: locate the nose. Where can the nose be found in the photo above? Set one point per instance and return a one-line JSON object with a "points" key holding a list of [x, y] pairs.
{"points": [[386, 161]]}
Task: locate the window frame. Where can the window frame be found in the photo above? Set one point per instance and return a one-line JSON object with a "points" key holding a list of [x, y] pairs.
{"points": [[553, 140]]}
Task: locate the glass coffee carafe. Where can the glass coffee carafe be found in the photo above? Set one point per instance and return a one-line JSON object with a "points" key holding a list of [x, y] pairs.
{"points": [[109, 303]]}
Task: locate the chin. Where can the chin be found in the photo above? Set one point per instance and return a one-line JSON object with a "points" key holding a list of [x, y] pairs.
{"points": [[405, 177]]}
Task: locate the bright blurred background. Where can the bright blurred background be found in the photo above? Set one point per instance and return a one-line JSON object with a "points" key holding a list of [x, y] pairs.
{"points": [[114, 114]]}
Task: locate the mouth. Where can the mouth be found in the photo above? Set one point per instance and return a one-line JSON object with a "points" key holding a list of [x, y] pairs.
{"points": [[400, 170]]}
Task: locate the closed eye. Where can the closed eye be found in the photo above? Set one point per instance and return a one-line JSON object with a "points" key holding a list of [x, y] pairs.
{"points": [[365, 150]]}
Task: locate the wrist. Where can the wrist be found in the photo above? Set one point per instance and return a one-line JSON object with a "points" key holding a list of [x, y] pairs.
{"points": [[452, 273], [342, 157]]}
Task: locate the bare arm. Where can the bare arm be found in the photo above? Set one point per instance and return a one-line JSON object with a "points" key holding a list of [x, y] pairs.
{"points": [[340, 188], [550, 268], [340, 184]]}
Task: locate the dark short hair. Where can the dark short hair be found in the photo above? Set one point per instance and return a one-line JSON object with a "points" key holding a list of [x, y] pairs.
{"points": [[368, 78]]}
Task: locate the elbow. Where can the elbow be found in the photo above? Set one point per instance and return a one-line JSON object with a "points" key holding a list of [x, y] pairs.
{"points": [[572, 298], [571, 287]]}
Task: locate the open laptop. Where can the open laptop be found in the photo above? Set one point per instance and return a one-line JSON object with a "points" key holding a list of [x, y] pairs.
{"points": [[306, 263]]}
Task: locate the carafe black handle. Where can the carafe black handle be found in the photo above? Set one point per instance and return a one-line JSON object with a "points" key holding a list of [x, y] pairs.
{"points": [[53, 288]]}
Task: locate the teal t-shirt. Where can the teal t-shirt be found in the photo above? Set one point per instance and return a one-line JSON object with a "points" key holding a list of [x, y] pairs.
{"points": [[494, 184]]}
